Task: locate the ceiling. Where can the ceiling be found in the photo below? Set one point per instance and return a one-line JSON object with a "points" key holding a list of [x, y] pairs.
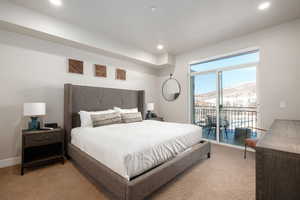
{"points": [[180, 25]]}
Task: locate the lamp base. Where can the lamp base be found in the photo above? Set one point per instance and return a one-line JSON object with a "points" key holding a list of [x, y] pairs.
{"points": [[148, 115], [34, 124]]}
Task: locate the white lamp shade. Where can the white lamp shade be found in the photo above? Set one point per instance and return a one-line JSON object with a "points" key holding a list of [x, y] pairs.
{"points": [[34, 109], [150, 106]]}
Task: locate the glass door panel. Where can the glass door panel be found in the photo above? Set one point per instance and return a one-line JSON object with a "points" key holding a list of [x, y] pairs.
{"points": [[204, 103], [238, 105]]}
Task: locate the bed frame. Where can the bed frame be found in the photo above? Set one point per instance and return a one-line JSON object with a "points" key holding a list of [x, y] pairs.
{"points": [[95, 98]]}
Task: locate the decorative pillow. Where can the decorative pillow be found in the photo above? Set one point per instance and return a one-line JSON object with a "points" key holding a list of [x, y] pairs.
{"points": [[133, 110], [132, 117], [85, 117], [106, 119]]}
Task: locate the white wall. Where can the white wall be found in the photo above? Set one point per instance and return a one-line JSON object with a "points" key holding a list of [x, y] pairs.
{"points": [[33, 70], [278, 75]]}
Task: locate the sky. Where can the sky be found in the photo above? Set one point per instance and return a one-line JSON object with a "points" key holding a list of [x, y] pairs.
{"points": [[207, 82]]}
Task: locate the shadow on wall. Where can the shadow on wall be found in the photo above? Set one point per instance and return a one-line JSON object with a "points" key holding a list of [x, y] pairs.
{"points": [[11, 123], [18, 136]]}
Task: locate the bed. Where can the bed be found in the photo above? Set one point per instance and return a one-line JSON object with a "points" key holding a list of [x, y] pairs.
{"points": [[139, 166]]}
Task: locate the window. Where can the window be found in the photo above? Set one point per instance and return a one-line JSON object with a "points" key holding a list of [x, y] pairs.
{"points": [[223, 96]]}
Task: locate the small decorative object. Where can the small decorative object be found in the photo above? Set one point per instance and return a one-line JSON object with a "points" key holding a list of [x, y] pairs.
{"points": [[171, 89], [100, 71], [34, 110], [150, 109], [121, 74], [75, 66], [51, 125]]}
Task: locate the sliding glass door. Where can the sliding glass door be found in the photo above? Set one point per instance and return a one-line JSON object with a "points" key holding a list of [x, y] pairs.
{"points": [[205, 101], [224, 100], [238, 104]]}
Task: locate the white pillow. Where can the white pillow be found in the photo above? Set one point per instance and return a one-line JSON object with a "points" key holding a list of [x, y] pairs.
{"points": [[85, 116], [125, 111]]}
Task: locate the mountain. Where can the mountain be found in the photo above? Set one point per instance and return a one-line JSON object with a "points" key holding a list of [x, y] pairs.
{"points": [[239, 95]]}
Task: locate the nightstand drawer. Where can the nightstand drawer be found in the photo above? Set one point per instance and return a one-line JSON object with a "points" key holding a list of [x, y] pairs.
{"points": [[42, 138]]}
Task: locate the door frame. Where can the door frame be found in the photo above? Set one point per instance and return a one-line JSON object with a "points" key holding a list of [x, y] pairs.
{"points": [[219, 71]]}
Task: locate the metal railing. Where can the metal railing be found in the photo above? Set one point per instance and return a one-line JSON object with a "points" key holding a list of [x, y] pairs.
{"points": [[237, 117]]}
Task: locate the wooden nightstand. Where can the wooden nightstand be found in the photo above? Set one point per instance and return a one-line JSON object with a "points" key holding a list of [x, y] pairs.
{"points": [[158, 119], [42, 147]]}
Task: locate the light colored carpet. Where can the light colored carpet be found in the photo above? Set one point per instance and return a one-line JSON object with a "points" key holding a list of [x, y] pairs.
{"points": [[226, 176]]}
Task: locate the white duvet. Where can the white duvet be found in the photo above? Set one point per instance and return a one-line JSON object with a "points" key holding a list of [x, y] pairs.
{"points": [[133, 148]]}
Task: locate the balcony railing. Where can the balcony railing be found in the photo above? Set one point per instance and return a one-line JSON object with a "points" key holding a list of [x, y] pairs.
{"points": [[235, 117]]}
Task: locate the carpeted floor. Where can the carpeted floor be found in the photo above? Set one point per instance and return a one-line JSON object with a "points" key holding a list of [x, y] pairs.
{"points": [[226, 176]]}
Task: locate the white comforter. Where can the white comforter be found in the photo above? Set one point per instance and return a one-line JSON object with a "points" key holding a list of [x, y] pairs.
{"points": [[133, 148]]}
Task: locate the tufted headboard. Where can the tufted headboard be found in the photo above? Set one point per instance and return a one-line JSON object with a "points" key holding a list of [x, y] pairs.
{"points": [[88, 98]]}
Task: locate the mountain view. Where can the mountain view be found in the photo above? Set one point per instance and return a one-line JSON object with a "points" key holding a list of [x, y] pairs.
{"points": [[242, 95]]}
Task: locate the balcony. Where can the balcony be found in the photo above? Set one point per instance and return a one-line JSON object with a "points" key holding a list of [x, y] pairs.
{"points": [[232, 122]]}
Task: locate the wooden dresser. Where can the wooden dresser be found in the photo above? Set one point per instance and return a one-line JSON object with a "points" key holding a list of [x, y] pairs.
{"points": [[278, 162]]}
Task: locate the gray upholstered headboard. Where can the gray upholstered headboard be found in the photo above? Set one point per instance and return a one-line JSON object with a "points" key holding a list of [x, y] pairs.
{"points": [[95, 99]]}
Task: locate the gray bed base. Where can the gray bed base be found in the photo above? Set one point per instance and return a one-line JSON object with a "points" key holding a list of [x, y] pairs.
{"points": [[78, 98], [143, 185]]}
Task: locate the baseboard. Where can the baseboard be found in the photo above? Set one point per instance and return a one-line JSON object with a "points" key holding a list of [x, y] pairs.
{"points": [[10, 162]]}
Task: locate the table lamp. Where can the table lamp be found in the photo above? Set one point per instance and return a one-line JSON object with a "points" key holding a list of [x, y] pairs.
{"points": [[34, 110], [150, 108]]}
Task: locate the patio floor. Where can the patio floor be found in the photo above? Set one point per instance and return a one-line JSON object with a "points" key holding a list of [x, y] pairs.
{"points": [[231, 138]]}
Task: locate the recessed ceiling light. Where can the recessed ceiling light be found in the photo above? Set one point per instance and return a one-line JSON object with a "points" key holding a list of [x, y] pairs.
{"points": [[160, 47], [264, 5], [56, 2], [153, 8]]}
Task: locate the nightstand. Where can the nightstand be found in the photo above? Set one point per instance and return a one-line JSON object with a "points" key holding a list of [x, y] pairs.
{"points": [[42, 147], [158, 119]]}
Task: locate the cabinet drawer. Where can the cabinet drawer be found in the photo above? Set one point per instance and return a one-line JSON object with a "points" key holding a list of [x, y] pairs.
{"points": [[42, 138]]}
